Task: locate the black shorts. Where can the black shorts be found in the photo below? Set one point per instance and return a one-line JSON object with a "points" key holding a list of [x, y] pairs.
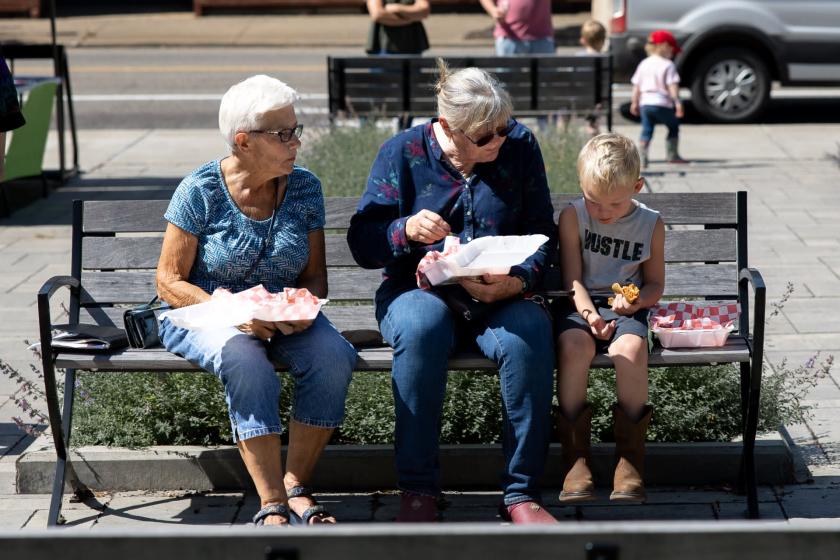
{"points": [[566, 317]]}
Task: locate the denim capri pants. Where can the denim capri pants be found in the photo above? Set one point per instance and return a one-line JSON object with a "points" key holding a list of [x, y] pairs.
{"points": [[319, 358]]}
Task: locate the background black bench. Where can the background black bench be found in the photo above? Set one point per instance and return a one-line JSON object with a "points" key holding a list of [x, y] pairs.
{"points": [[402, 86], [116, 245]]}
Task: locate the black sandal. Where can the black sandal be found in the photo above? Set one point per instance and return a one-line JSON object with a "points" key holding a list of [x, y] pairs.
{"points": [[317, 510], [271, 509]]}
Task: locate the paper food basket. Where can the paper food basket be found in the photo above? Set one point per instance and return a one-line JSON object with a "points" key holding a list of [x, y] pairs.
{"points": [[690, 325], [226, 309]]}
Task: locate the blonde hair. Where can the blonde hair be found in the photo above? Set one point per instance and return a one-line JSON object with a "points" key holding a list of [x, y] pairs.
{"points": [[471, 99], [608, 163], [594, 34], [244, 105], [657, 48]]}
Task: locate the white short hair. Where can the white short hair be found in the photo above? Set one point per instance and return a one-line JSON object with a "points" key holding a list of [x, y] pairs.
{"points": [[245, 103]]}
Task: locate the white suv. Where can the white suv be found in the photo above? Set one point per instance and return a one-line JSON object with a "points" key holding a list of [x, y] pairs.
{"points": [[732, 50]]}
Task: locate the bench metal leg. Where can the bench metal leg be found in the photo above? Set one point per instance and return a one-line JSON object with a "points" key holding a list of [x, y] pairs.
{"points": [[750, 429], [740, 487], [60, 425]]}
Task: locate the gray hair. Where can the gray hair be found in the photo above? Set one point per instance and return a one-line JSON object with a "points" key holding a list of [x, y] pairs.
{"points": [[245, 103], [471, 99]]}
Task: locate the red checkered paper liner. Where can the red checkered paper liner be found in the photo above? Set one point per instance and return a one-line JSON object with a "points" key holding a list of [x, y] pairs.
{"points": [[292, 304], [687, 316], [450, 247]]}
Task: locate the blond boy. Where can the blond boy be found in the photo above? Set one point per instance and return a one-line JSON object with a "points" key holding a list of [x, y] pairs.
{"points": [[607, 237], [593, 35]]}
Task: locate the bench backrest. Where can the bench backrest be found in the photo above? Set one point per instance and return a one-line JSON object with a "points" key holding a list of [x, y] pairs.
{"points": [[404, 84], [116, 245]]}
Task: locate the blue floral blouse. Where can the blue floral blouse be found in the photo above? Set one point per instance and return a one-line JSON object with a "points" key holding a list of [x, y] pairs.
{"points": [[229, 242], [508, 196]]}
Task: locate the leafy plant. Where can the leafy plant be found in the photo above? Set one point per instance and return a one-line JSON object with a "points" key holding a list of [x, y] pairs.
{"points": [[341, 157]]}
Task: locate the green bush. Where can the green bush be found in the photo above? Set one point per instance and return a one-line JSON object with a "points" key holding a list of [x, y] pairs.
{"points": [[341, 158], [560, 151], [690, 404]]}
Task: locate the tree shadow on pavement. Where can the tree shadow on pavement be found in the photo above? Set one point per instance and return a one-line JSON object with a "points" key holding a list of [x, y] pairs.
{"points": [[800, 110]]}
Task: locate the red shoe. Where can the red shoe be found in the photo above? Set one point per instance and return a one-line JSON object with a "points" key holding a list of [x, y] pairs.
{"points": [[416, 508], [526, 513]]}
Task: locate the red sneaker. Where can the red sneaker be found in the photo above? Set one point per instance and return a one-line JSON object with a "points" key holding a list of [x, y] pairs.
{"points": [[526, 513], [416, 508]]}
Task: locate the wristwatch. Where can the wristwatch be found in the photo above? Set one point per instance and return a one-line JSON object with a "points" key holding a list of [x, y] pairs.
{"points": [[524, 282]]}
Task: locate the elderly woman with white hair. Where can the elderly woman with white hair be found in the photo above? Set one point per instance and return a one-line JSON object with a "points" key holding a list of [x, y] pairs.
{"points": [[471, 172], [251, 218]]}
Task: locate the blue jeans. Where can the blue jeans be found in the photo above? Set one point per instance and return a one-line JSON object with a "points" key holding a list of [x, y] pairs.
{"points": [[517, 336], [319, 358], [655, 114], [509, 47]]}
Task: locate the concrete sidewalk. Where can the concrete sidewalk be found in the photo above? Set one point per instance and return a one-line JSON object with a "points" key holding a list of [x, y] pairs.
{"points": [[793, 238], [266, 30]]}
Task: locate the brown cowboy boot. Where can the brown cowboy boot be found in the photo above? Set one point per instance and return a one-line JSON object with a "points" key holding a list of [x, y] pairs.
{"points": [[576, 438], [628, 484]]}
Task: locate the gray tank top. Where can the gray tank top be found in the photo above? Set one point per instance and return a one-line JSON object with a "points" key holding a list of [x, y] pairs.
{"points": [[614, 252]]}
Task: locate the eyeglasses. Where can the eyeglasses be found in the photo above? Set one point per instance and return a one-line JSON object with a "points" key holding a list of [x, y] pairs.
{"points": [[487, 138], [285, 134]]}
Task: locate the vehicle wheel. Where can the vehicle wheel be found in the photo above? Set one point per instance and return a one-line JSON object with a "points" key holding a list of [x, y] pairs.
{"points": [[730, 85]]}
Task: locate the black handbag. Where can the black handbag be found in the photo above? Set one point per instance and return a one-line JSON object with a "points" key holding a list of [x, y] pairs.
{"points": [[463, 304], [141, 325]]}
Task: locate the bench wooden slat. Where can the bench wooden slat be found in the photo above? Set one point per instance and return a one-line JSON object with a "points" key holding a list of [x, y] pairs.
{"points": [[354, 284], [138, 286], [158, 359], [109, 216], [344, 317], [678, 208]]}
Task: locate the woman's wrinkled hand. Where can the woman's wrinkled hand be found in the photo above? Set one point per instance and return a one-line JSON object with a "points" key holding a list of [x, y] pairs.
{"points": [[260, 329], [601, 329], [426, 227], [292, 327], [621, 306], [492, 287]]}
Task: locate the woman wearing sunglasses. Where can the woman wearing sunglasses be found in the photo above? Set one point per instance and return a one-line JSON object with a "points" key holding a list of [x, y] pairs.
{"points": [[471, 172], [251, 218]]}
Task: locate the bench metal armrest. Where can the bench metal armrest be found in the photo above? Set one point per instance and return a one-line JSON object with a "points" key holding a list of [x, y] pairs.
{"points": [[752, 277], [44, 295]]}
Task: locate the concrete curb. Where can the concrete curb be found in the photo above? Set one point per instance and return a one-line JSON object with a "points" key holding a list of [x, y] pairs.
{"points": [[370, 467]]}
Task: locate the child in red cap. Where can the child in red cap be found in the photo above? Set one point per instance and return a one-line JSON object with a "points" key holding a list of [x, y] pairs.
{"points": [[656, 86]]}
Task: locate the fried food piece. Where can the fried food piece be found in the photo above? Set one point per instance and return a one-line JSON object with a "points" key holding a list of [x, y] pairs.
{"points": [[630, 292]]}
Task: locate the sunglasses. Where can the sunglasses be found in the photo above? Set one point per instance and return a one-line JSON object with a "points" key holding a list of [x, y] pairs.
{"points": [[487, 138], [285, 134]]}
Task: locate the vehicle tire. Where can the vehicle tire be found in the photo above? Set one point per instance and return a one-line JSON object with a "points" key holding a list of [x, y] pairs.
{"points": [[730, 85]]}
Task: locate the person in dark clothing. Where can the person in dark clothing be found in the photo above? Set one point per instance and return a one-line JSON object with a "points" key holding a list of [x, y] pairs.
{"points": [[396, 26], [10, 115]]}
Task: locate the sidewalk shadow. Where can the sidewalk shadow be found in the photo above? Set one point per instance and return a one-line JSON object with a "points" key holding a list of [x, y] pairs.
{"points": [[57, 207], [800, 110], [197, 509]]}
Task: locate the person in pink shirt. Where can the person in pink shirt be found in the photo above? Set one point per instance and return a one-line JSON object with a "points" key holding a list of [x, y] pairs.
{"points": [[522, 26], [656, 87]]}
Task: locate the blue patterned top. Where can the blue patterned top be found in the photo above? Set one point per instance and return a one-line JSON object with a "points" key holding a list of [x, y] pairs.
{"points": [[229, 241], [508, 196]]}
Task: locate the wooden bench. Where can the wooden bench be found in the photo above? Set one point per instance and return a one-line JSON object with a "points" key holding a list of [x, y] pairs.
{"points": [[402, 86], [116, 245]]}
